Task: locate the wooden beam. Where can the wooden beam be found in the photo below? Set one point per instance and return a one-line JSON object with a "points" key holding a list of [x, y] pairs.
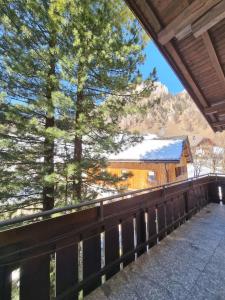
{"points": [[141, 8], [214, 109], [218, 124], [183, 33], [186, 73], [213, 57], [211, 18], [189, 15]]}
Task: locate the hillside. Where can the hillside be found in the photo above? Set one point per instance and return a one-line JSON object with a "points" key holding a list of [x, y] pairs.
{"points": [[174, 115]]}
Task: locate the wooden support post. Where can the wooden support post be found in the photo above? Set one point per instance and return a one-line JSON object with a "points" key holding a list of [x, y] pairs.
{"points": [[5, 283]]}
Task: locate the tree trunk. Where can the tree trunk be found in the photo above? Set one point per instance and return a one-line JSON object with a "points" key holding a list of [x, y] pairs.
{"points": [[77, 158], [48, 189], [77, 180]]}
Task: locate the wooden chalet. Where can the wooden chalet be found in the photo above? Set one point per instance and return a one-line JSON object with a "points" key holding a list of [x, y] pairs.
{"points": [[204, 142], [191, 36], [152, 162]]}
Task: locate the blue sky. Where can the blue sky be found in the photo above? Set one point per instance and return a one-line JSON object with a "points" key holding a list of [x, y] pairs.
{"points": [[165, 74]]}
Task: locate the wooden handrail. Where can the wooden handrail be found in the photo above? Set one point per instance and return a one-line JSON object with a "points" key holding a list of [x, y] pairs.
{"points": [[48, 213], [76, 239]]}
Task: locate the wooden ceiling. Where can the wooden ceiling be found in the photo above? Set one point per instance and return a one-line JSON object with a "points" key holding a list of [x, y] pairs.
{"points": [[191, 36]]}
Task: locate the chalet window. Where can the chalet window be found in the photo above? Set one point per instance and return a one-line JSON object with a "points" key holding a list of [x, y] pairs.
{"points": [[124, 174], [151, 176], [180, 171], [177, 171]]}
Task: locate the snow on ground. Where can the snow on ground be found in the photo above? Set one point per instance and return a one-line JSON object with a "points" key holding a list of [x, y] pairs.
{"points": [[204, 170]]}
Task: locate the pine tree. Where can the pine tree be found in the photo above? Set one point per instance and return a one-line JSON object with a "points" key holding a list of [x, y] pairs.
{"points": [[29, 78], [69, 72], [100, 67]]}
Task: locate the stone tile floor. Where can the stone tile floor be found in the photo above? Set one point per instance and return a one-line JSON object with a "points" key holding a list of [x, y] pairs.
{"points": [[188, 264]]}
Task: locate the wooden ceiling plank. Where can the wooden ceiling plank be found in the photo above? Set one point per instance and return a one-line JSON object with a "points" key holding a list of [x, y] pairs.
{"points": [[144, 9], [186, 73], [211, 18], [218, 124], [150, 16], [214, 109], [194, 11], [213, 57]]}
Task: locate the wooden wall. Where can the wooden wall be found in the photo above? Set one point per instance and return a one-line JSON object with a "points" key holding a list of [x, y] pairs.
{"points": [[139, 171]]}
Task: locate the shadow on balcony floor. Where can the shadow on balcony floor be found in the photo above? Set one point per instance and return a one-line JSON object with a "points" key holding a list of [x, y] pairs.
{"points": [[187, 264]]}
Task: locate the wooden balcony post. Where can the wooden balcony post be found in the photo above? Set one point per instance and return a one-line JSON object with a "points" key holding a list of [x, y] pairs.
{"points": [[5, 283]]}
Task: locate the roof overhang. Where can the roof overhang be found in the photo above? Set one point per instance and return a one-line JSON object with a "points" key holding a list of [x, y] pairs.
{"points": [[191, 36]]}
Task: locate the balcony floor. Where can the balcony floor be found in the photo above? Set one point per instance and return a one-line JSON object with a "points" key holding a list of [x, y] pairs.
{"points": [[188, 264]]}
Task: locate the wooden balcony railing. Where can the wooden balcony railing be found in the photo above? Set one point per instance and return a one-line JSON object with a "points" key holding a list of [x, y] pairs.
{"points": [[62, 256]]}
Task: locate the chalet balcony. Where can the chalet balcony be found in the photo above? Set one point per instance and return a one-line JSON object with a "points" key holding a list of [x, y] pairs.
{"points": [[161, 243], [188, 264]]}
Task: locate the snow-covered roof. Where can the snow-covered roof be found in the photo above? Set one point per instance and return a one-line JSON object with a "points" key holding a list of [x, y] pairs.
{"points": [[153, 149]]}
